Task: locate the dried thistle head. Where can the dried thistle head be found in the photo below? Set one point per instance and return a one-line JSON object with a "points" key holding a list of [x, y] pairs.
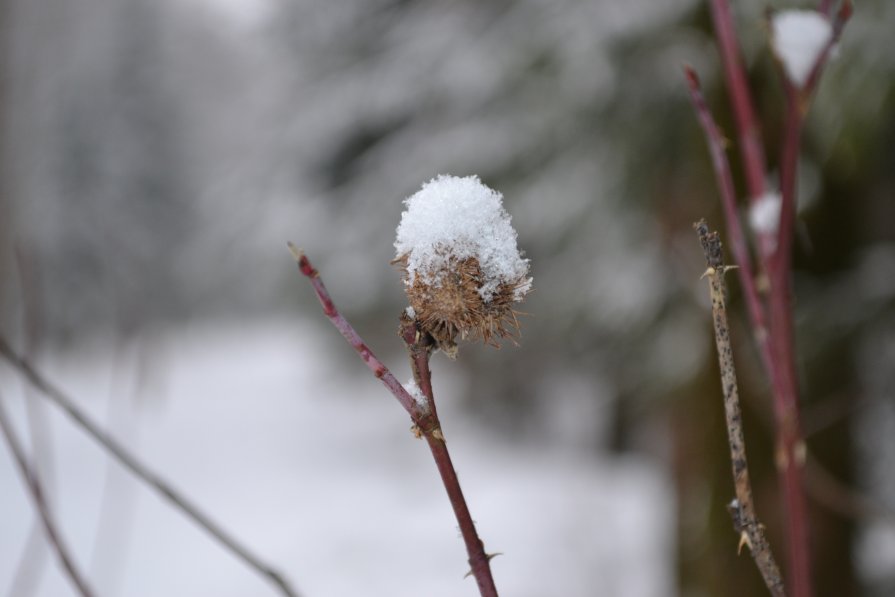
{"points": [[461, 267]]}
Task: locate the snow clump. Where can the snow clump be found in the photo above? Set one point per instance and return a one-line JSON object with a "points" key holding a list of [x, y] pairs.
{"points": [[798, 38], [457, 218]]}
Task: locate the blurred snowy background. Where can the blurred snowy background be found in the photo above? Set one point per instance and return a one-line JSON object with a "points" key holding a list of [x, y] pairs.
{"points": [[157, 155]]}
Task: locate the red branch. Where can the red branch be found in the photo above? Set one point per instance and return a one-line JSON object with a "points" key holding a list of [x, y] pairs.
{"points": [[424, 417], [790, 445], [773, 328], [348, 332], [749, 135], [739, 245]]}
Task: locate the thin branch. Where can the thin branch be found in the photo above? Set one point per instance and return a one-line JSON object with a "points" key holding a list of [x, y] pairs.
{"points": [[790, 442], [141, 471], [740, 247], [40, 505], [34, 555], [742, 509], [419, 347], [380, 371], [424, 416], [749, 135], [839, 21]]}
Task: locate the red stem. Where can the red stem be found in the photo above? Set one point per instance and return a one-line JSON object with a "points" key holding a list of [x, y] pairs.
{"points": [[749, 135], [425, 417], [348, 332], [790, 446], [775, 353], [479, 561], [738, 242]]}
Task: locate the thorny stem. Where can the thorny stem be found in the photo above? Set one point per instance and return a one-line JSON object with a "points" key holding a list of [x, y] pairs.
{"points": [[772, 322], [742, 509], [740, 247], [424, 417], [142, 472], [419, 348], [40, 504]]}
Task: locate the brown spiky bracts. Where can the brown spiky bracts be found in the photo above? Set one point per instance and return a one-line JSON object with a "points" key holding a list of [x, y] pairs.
{"points": [[462, 271], [453, 308]]}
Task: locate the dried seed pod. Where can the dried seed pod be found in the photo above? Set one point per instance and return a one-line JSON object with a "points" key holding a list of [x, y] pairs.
{"points": [[462, 269]]}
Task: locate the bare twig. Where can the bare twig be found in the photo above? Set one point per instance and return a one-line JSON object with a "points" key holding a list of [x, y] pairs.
{"points": [[749, 135], [790, 445], [740, 247], [742, 509], [141, 471], [40, 505], [772, 322], [424, 416], [419, 347], [840, 19], [34, 555], [790, 442], [419, 416]]}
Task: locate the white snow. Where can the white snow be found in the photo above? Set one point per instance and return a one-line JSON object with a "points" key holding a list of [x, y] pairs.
{"points": [[798, 38], [461, 218], [764, 213], [305, 457], [417, 394]]}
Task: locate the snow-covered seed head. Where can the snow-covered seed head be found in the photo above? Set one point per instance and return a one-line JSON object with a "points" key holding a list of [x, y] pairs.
{"points": [[462, 269]]}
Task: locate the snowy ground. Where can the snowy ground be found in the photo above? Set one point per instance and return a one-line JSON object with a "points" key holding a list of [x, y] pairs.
{"points": [[315, 468]]}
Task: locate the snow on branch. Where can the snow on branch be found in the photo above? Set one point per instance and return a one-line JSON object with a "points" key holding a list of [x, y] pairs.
{"points": [[799, 38]]}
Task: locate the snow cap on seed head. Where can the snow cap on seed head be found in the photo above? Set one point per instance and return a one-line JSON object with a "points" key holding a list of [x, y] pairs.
{"points": [[462, 268]]}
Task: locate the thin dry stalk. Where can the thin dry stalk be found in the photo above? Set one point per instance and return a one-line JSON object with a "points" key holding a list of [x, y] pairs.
{"points": [[424, 416], [32, 562], [40, 505], [742, 509], [142, 472], [419, 348], [740, 246]]}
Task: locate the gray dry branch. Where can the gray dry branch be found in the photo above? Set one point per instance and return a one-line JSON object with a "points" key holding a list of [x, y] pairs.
{"points": [[742, 508], [136, 466], [35, 490]]}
